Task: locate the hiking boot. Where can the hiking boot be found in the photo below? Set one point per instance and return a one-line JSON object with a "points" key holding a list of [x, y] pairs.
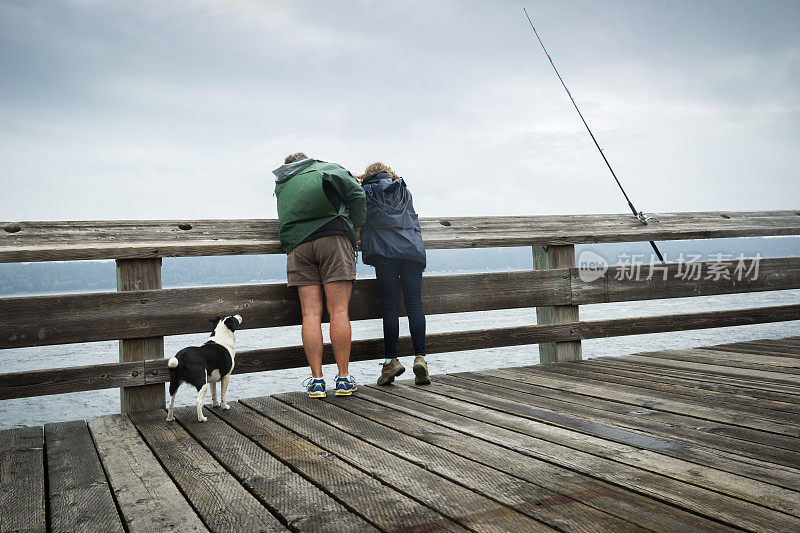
{"points": [[391, 371], [345, 386], [421, 371]]}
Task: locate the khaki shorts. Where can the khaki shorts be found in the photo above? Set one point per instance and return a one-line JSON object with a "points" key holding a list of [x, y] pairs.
{"points": [[321, 261]]}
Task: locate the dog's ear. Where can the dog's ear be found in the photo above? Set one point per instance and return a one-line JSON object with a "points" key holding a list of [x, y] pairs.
{"points": [[215, 321]]}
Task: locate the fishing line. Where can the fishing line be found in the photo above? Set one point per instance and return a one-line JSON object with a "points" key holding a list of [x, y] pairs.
{"points": [[643, 217]]}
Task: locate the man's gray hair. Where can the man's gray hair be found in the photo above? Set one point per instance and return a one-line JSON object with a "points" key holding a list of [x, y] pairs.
{"points": [[294, 157]]}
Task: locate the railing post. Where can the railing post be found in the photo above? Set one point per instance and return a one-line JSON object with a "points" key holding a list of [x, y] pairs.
{"points": [[546, 257], [133, 275]]}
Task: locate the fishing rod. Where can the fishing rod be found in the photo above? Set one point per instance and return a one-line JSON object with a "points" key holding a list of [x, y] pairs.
{"points": [[643, 217]]}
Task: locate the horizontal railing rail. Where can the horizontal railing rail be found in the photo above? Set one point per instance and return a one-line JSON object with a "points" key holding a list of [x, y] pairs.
{"points": [[141, 313], [73, 318], [66, 241], [111, 375]]}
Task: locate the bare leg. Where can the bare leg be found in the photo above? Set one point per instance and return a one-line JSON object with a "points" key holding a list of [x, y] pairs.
{"points": [[170, 418], [311, 305], [214, 401], [224, 387], [337, 294], [200, 395]]}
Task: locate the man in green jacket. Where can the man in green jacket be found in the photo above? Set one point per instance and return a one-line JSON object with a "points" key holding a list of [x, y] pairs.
{"points": [[321, 209]]}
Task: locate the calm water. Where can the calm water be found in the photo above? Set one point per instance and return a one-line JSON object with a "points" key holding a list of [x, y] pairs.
{"points": [[43, 409]]}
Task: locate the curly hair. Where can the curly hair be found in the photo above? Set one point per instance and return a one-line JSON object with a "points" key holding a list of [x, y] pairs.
{"points": [[376, 168], [294, 157]]}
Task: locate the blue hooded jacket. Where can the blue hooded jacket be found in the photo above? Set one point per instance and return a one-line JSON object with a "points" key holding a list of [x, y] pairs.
{"points": [[392, 228]]}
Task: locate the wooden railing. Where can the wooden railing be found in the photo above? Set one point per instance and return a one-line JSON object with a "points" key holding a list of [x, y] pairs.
{"points": [[140, 314]]}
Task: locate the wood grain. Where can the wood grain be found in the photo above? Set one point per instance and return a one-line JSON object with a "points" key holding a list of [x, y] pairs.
{"points": [[76, 240], [365, 496], [222, 503], [78, 493], [137, 275], [22, 486], [559, 257], [147, 497], [74, 378]]}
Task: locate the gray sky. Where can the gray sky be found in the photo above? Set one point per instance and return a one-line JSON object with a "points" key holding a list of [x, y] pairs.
{"points": [[181, 109]]}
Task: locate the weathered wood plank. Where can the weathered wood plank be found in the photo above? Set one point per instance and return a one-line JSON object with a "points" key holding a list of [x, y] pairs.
{"points": [[377, 503], [705, 373], [752, 374], [492, 438], [754, 445], [294, 356], [692, 386], [621, 284], [731, 359], [298, 503], [516, 434], [70, 379], [547, 257], [223, 504], [61, 241], [646, 398], [461, 505], [771, 410], [147, 497], [22, 498], [61, 319], [78, 494], [694, 498], [683, 443], [137, 275], [540, 503]]}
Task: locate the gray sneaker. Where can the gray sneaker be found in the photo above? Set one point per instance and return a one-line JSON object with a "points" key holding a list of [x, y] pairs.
{"points": [[390, 371], [421, 371]]}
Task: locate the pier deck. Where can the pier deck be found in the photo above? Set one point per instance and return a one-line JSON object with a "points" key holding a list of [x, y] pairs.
{"points": [[678, 440]]}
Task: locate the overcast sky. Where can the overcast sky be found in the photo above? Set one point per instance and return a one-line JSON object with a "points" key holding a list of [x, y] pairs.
{"points": [[181, 109]]}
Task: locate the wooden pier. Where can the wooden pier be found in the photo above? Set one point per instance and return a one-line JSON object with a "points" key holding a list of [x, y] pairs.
{"points": [[678, 440], [684, 440]]}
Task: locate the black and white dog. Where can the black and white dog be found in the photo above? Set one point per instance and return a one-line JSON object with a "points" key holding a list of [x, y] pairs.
{"points": [[206, 364]]}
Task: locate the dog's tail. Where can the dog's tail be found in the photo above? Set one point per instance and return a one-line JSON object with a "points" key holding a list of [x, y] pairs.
{"points": [[173, 362]]}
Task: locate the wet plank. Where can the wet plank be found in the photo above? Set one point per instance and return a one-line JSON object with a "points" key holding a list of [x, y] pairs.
{"points": [[298, 503], [222, 503], [78, 493], [364, 495], [702, 373], [540, 503], [623, 393], [458, 503], [694, 379], [755, 375], [633, 427], [147, 497], [468, 438], [734, 359], [693, 464], [22, 491], [677, 389]]}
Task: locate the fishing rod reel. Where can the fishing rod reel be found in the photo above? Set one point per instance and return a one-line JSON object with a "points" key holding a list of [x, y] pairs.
{"points": [[646, 218]]}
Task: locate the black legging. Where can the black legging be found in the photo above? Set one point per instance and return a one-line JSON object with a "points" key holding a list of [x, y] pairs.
{"points": [[391, 275]]}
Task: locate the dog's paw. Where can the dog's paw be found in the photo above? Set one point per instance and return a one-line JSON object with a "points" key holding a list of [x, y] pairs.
{"points": [[202, 419], [170, 418], [215, 404], [226, 406]]}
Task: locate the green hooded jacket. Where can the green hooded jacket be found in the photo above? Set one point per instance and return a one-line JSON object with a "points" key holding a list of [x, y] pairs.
{"points": [[303, 207]]}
